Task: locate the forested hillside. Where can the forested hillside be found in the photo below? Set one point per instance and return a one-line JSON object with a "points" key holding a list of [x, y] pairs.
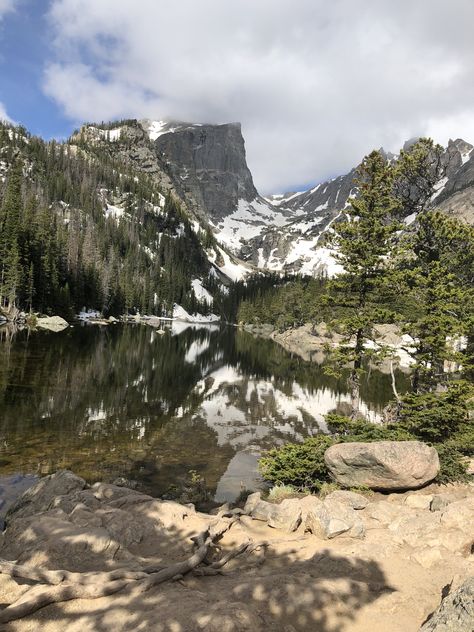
{"points": [[81, 228]]}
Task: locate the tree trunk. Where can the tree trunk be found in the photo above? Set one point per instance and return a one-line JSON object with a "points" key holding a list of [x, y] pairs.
{"points": [[354, 380]]}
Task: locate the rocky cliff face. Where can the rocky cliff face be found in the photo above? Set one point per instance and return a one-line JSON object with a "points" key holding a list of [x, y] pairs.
{"points": [[208, 167], [205, 165], [206, 161]]}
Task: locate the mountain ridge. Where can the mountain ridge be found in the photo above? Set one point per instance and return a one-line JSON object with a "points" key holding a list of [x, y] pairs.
{"points": [[155, 191]]}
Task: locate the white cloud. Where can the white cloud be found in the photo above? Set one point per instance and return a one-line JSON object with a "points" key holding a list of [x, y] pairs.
{"points": [[6, 6], [316, 84], [3, 114]]}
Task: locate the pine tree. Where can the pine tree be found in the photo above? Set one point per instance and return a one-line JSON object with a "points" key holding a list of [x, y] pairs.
{"points": [[439, 301], [363, 240], [10, 221]]}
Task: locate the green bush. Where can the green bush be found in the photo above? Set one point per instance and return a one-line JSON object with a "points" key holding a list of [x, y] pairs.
{"points": [[435, 417], [452, 464], [463, 440], [300, 465], [345, 429]]}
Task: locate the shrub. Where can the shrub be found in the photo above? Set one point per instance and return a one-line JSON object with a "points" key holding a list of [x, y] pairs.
{"points": [[346, 429], [300, 465], [435, 417], [327, 488], [280, 492], [452, 464], [440, 419]]}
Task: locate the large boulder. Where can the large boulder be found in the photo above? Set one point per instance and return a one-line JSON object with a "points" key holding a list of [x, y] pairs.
{"points": [[382, 465], [456, 612]]}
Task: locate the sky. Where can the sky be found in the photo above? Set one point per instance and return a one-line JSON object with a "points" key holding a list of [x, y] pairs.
{"points": [[316, 84]]}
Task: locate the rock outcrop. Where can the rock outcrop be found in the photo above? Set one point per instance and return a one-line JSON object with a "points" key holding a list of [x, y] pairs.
{"points": [[456, 612], [208, 162], [382, 465]]}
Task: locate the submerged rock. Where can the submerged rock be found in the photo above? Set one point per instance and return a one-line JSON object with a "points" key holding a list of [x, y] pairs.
{"points": [[382, 465]]}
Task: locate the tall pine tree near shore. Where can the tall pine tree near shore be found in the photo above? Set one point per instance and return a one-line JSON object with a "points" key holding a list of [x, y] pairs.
{"points": [[363, 240], [435, 271]]}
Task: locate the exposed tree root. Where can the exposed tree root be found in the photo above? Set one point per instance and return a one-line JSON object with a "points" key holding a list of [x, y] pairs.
{"points": [[65, 585]]}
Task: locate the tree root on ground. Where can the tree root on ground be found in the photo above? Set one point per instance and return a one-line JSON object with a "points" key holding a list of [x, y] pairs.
{"points": [[64, 585]]}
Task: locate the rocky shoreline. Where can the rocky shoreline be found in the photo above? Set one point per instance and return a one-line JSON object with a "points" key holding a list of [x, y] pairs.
{"points": [[286, 567], [309, 342]]}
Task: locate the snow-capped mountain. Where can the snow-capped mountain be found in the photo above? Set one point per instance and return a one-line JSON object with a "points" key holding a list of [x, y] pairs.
{"points": [[205, 165]]}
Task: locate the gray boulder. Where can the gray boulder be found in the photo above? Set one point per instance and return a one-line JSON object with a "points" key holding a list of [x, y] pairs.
{"points": [[351, 499], [382, 465], [332, 518], [456, 612], [286, 515], [42, 496]]}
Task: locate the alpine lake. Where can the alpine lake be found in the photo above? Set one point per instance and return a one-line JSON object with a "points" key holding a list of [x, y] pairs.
{"points": [[161, 408]]}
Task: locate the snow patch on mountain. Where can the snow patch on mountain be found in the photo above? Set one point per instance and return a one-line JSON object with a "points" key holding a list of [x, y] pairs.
{"points": [[200, 292], [115, 212], [466, 156], [179, 313], [247, 222], [155, 129], [234, 271], [439, 188]]}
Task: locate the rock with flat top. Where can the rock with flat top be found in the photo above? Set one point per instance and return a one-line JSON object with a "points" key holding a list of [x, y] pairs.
{"points": [[382, 465]]}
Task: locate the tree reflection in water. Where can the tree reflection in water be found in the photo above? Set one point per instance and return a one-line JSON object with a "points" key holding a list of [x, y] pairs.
{"points": [[124, 400]]}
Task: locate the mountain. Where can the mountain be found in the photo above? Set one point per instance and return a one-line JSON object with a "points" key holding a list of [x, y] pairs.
{"points": [[207, 165], [97, 223], [144, 215], [299, 246], [283, 232]]}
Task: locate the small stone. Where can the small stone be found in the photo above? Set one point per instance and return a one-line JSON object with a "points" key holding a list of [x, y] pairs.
{"points": [[354, 500], [286, 515], [439, 503], [419, 501]]}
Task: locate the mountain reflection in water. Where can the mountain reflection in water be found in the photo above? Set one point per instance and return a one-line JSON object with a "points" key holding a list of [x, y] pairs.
{"points": [[125, 400]]}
